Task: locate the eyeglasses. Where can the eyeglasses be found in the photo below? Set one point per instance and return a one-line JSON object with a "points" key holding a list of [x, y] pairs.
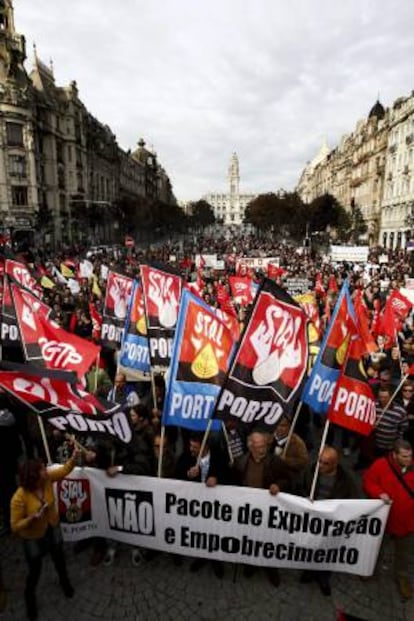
{"points": [[407, 390], [325, 462]]}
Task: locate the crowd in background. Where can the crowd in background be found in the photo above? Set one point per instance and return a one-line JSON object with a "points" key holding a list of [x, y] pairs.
{"points": [[235, 455]]}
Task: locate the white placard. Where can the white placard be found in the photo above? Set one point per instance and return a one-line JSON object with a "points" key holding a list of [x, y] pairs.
{"points": [[206, 260], [357, 254], [226, 523], [257, 262]]}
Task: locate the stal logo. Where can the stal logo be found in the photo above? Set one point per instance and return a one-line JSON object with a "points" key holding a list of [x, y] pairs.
{"points": [[59, 353], [207, 340], [44, 391], [277, 345], [398, 305], [119, 290], [23, 277], [161, 291], [74, 500]]}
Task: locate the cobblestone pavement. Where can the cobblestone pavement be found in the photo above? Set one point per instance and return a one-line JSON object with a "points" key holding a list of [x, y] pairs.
{"points": [[158, 590]]}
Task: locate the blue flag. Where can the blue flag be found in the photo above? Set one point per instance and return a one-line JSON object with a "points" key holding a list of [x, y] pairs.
{"points": [[319, 388], [200, 358], [134, 349]]}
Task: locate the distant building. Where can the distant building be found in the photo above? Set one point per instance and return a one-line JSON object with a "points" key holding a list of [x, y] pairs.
{"points": [[372, 169], [62, 173], [229, 207]]}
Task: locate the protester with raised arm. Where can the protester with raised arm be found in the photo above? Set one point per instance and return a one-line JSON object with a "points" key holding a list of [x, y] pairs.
{"points": [[35, 518]]}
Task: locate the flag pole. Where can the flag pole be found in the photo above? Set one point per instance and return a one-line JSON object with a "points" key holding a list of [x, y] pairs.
{"points": [[204, 442], [391, 399], [95, 382], [316, 473], [161, 453], [44, 438], [291, 429], [226, 437]]}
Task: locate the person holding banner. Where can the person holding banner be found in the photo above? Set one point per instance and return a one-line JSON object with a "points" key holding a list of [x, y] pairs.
{"points": [[204, 464], [34, 517], [333, 482], [259, 468], [391, 478]]}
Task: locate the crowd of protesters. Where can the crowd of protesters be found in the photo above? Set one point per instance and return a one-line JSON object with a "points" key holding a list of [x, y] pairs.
{"points": [[236, 455]]}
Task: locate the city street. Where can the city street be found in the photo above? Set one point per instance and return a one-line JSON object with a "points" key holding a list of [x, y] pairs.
{"points": [[157, 589]]}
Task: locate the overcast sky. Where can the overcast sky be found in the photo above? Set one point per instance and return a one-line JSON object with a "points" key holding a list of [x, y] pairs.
{"points": [[269, 79]]}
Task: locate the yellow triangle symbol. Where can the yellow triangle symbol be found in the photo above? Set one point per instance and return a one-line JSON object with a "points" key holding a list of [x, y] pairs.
{"points": [[141, 325], [205, 364]]}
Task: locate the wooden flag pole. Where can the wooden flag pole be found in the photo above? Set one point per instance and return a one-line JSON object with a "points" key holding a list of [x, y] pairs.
{"points": [[95, 382], [44, 438], [204, 442], [292, 429], [391, 399], [316, 473], [226, 437], [161, 453]]}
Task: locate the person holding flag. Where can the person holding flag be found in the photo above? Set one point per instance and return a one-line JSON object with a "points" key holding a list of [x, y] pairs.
{"points": [[35, 519]]}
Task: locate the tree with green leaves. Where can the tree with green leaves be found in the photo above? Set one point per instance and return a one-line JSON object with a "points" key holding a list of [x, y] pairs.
{"points": [[283, 213], [202, 213]]}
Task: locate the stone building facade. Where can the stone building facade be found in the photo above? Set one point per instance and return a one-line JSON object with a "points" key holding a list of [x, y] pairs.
{"points": [[229, 207], [62, 173], [371, 169], [398, 198]]}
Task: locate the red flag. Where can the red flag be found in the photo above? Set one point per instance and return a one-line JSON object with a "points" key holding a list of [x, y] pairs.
{"points": [[362, 314], [45, 341], [241, 290], [319, 288], [396, 310], [376, 317], [18, 272], [230, 321], [270, 365], [332, 284], [162, 294], [353, 402], [274, 271], [97, 321]]}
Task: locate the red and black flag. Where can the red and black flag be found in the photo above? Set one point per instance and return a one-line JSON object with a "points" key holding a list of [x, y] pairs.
{"points": [[241, 289], [45, 342], [162, 295], [19, 273], [10, 336], [118, 292], [56, 396], [269, 367], [353, 402]]}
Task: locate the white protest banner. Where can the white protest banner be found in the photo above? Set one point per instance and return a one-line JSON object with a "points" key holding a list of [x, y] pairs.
{"points": [[205, 260], [104, 271], [74, 286], [225, 523], [85, 269], [357, 254], [297, 286], [257, 262]]}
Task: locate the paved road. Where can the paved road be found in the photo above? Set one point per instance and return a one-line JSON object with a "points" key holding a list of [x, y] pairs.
{"points": [[158, 590]]}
